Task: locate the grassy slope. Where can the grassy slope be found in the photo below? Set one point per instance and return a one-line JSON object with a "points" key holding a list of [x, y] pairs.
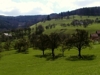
{"points": [[69, 29], [32, 64]]}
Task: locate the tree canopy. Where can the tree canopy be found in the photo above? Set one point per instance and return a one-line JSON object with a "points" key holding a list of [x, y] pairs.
{"points": [[79, 40]]}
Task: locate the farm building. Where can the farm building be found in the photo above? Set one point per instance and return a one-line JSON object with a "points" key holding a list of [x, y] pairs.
{"points": [[94, 36], [7, 34], [98, 32]]}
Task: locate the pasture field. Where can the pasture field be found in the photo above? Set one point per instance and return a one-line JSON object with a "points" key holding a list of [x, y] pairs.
{"points": [[33, 63], [68, 29], [12, 63]]}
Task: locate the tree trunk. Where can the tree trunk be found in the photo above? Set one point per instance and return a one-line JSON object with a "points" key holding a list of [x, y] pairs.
{"points": [[63, 53], [79, 52], [19, 50], [53, 54], [43, 52]]}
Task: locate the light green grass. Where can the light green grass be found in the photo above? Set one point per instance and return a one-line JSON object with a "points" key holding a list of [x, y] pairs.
{"points": [[30, 64], [12, 63]]}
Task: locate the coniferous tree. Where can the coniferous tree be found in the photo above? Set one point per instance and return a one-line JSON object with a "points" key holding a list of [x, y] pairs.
{"points": [[48, 17]]}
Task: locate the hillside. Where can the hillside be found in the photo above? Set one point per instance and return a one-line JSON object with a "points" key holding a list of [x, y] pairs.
{"points": [[13, 60], [64, 25], [11, 22]]}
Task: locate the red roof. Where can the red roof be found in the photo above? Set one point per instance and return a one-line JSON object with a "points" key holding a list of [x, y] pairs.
{"points": [[94, 35]]}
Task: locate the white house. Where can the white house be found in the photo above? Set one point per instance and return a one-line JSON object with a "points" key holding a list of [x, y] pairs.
{"points": [[7, 34]]}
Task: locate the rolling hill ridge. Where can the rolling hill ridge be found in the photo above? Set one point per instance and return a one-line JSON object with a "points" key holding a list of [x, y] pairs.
{"points": [[11, 22]]}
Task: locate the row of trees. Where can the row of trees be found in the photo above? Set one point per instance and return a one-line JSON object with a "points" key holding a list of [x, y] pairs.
{"points": [[79, 40], [83, 23], [15, 34], [43, 42], [88, 11]]}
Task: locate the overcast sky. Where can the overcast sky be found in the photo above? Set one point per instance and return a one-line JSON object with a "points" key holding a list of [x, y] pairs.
{"points": [[37, 7]]}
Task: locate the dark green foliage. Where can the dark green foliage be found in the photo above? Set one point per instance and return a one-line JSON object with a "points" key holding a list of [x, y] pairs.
{"points": [[1, 48], [1, 44], [63, 39], [79, 40], [29, 31], [54, 42], [7, 45], [83, 23], [21, 45], [39, 29], [10, 22], [42, 42], [48, 17], [33, 39], [5, 38]]}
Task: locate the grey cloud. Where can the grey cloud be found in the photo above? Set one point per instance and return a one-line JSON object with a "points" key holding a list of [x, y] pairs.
{"points": [[11, 13], [16, 12]]}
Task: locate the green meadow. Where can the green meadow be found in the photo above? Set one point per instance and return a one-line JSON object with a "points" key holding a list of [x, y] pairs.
{"points": [[92, 28], [33, 63], [12, 63]]}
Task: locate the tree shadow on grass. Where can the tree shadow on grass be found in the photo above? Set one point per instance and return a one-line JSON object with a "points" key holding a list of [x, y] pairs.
{"points": [[84, 57], [56, 57], [48, 56]]}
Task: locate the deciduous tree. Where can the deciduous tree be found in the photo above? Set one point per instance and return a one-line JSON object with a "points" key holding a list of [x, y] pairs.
{"points": [[79, 40], [39, 29], [21, 45], [54, 40], [42, 42]]}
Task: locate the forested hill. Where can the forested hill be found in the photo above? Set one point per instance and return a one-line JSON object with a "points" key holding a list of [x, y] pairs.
{"points": [[92, 11], [10, 22], [87, 11]]}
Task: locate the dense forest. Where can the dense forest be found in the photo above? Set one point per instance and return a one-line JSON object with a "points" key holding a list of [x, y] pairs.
{"points": [[11, 22]]}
